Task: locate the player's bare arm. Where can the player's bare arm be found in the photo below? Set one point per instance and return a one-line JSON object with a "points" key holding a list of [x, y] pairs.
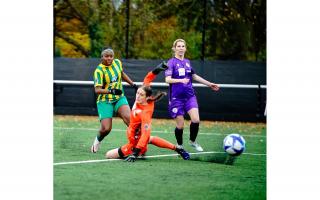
{"points": [[174, 80], [127, 78], [213, 86]]}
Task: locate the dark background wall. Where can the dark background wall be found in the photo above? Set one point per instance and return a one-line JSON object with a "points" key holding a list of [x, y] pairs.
{"points": [[229, 104]]}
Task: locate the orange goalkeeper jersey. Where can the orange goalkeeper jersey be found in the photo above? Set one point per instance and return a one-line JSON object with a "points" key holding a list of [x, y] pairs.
{"points": [[139, 130]]}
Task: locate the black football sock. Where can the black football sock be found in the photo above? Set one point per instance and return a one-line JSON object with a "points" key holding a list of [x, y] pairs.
{"points": [[194, 129], [101, 136], [178, 133]]}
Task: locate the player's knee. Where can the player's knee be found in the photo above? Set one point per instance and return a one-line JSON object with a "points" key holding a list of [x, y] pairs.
{"points": [[180, 122], [151, 139], [195, 118], [180, 126]]}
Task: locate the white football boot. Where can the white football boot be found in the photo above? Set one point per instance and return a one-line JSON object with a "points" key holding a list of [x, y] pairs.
{"points": [[196, 146], [96, 145]]}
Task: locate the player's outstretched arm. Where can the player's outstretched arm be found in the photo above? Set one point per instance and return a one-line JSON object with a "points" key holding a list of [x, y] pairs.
{"points": [[159, 68], [153, 74], [213, 86]]}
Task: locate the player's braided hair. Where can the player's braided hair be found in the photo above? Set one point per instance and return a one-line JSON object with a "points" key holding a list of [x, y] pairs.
{"points": [[155, 97], [107, 50]]}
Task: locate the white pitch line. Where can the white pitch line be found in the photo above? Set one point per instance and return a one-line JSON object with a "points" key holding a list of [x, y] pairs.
{"points": [[155, 156], [122, 130]]}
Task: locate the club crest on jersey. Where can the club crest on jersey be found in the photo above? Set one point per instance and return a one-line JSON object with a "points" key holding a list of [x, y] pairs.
{"points": [[174, 110]]}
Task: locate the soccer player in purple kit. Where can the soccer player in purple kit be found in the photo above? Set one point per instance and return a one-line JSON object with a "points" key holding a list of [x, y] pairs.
{"points": [[182, 97]]}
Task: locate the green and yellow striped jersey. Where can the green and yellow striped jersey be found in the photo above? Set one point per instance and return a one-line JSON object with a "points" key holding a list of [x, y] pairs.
{"points": [[109, 77]]}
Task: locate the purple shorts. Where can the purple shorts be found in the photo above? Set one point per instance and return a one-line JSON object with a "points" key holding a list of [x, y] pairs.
{"points": [[181, 106]]}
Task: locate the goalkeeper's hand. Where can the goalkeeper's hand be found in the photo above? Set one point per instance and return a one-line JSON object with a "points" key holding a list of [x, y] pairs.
{"points": [[131, 158], [134, 155], [159, 68], [115, 91]]}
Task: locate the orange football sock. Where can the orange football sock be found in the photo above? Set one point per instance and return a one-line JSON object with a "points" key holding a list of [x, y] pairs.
{"points": [[159, 142]]}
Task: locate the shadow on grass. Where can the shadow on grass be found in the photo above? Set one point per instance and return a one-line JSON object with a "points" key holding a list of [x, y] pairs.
{"points": [[216, 158]]}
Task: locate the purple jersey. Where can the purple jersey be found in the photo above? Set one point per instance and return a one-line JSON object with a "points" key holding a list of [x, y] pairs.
{"points": [[179, 69]]}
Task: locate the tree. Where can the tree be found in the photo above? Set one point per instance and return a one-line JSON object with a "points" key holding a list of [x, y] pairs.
{"points": [[235, 29], [94, 17]]}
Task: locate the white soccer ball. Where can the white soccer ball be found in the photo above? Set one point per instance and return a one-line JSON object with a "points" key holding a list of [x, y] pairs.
{"points": [[234, 144]]}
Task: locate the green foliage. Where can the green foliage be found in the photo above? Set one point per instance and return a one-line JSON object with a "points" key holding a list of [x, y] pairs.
{"points": [[66, 49], [235, 30]]}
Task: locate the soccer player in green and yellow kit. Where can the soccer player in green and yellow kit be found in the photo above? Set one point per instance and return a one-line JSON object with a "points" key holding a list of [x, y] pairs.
{"points": [[108, 86]]}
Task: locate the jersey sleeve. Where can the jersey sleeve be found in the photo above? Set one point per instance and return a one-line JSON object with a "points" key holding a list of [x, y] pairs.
{"points": [[149, 78], [169, 71], [145, 131], [98, 78], [192, 71]]}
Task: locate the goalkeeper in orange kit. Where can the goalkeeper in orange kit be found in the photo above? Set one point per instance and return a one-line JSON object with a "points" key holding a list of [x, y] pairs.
{"points": [[139, 129]]}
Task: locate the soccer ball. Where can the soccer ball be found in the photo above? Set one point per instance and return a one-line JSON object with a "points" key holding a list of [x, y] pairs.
{"points": [[234, 144]]}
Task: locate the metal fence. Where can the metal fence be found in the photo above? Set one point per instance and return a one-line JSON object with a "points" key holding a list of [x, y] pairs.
{"points": [[242, 94]]}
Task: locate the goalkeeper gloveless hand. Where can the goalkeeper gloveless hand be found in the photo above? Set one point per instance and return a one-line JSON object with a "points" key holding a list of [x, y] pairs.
{"points": [[159, 68], [115, 91]]}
